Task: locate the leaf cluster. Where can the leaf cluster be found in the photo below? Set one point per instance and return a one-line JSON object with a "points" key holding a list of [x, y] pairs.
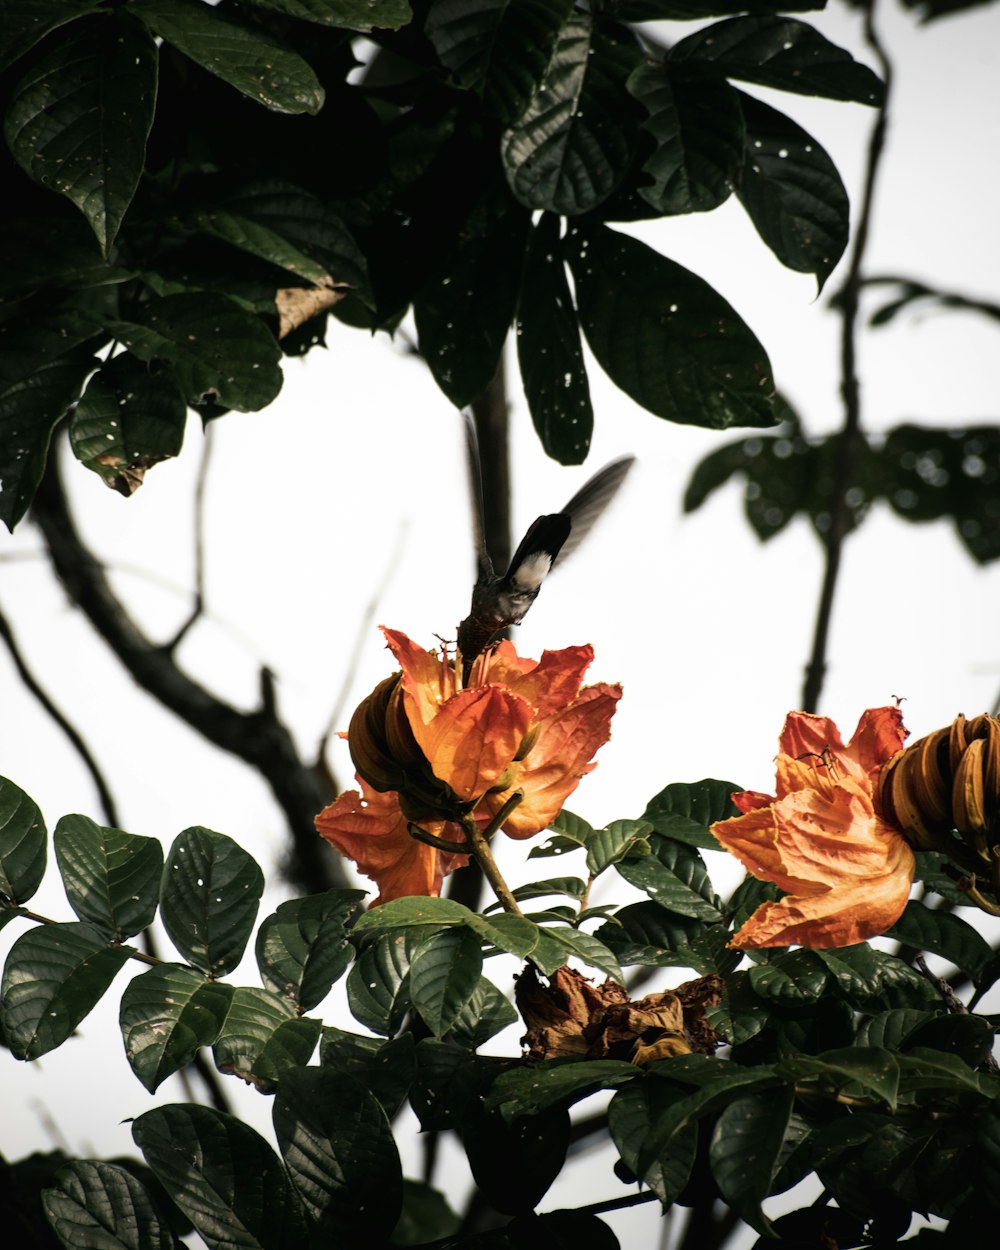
{"points": [[847, 1064], [191, 189]]}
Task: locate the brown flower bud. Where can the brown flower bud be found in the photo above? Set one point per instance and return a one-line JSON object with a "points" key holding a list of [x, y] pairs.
{"points": [[948, 781]]}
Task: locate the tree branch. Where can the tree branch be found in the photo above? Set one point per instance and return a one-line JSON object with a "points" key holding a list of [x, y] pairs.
{"points": [[258, 738], [848, 301]]}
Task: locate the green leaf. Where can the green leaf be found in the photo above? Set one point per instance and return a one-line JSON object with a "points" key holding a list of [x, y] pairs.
{"points": [[570, 832], [461, 336], [665, 337], [698, 129], [54, 975], [210, 893], [288, 227], [444, 970], [22, 844], [572, 145], [553, 1082], [549, 350], [499, 49], [386, 1069], [426, 1216], [922, 1068], [36, 389], [696, 10], [360, 15], [571, 887], [890, 1029], [796, 978], [224, 1177], [484, 1014], [874, 1069], [674, 876], [129, 418], [378, 986], [337, 1144], [783, 53], [744, 1151], [632, 1113], [401, 913], [218, 351], [685, 811], [646, 933], [79, 119], [944, 934], [514, 1163], [112, 878], [23, 23], [302, 948], [567, 942], [262, 1038], [245, 56], [622, 839], [874, 978], [93, 1205], [166, 1015], [793, 193]]}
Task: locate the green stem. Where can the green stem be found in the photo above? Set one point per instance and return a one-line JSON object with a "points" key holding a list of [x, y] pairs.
{"points": [[39, 919], [439, 844], [479, 841]]}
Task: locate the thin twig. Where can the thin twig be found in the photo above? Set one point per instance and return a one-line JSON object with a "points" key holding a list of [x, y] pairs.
{"points": [[198, 607], [107, 801], [848, 301]]}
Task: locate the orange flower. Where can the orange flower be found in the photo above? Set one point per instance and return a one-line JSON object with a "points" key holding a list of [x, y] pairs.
{"points": [[450, 750], [845, 870]]}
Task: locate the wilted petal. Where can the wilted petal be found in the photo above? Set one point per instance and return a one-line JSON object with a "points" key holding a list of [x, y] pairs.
{"points": [[370, 829], [549, 684]]}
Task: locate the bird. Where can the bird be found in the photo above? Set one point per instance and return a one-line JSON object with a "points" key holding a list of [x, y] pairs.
{"points": [[502, 600]]}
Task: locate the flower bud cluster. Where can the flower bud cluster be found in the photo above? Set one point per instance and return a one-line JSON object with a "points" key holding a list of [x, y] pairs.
{"points": [[946, 783]]}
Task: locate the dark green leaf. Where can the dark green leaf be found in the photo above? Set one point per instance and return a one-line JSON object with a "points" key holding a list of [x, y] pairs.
{"points": [[79, 119], [224, 1177], [970, 1037], [484, 1014], [876, 979], [378, 986], [245, 56], [526, 1091], [944, 934], [929, 474], [262, 1038], [217, 350], [783, 53], [166, 1015], [665, 337], [23, 23], [890, 1029], [572, 145], [674, 876], [98, 1206], [444, 971], [361, 15], [874, 1069], [566, 942], [795, 979], [633, 1112], [401, 913], [695, 10], [54, 975], [685, 811], [36, 389], [698, 129], [570, 832], [111, 878], [302, 948], [549, 350], [572, 887], [499, 49], [386, 1069], [448, 1080], [648, 934], [22, 844], [129, 418], [792, 192], [622, 839], [514, 1163], [923, 1068], [210, 893], [462, 335], [338, 1146], [744, 1151], [426, 1216]]}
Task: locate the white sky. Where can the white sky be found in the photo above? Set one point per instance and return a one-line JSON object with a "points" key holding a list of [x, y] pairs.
{"points": [[707, 629]]}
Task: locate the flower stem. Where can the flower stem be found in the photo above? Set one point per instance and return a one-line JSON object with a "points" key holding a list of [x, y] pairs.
{"points": [[439, 844], [968, 887], [479, 841]]}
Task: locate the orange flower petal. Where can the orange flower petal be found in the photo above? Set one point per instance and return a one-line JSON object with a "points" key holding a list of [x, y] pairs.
{"points": [[370, 829], [474, 737], [548, 685], [561, 754]]}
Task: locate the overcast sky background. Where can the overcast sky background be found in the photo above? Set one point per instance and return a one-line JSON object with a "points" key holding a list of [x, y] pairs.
{"points": [[351, 485]]}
